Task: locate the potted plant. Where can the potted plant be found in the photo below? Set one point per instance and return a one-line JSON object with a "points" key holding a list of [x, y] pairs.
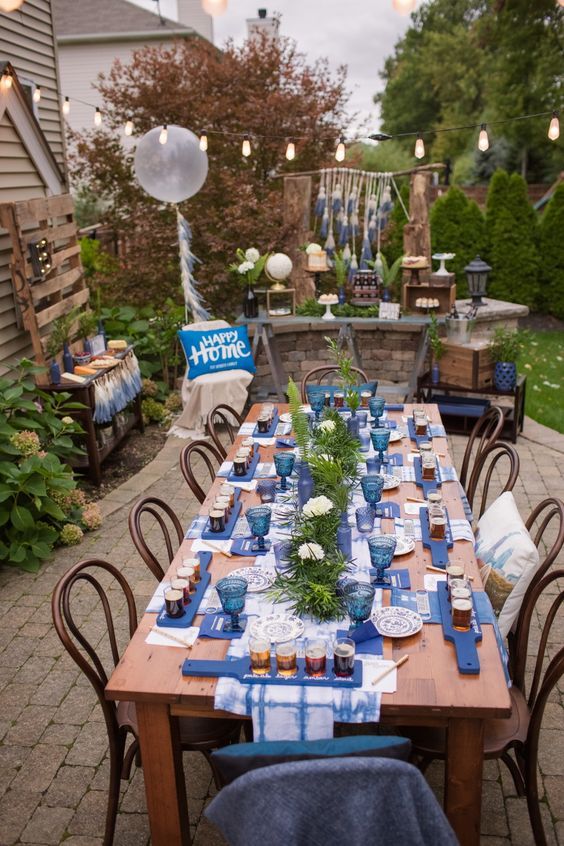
{"points": [[87, 326], [387, 273], [504, 349], [437, 349], [249, 265], [341, 271]]}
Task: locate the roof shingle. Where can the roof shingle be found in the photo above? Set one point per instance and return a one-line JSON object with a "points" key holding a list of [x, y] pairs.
{"points": [[85, 17]]}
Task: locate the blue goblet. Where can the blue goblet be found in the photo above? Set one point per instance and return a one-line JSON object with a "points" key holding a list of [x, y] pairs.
{"points": [[284, 463], [266, 489], [258, 519], [317, 402], [232, 591], [376, 406], [365, 518], [380, 441], [382, 548], [358, 599], [372, 487]]}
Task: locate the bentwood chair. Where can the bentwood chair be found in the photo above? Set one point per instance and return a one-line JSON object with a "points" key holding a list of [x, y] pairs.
{"points": [[211, 457], [223, 415], [486, 431], [160, 512], [486, 463], [318, 375], [195, 734]]}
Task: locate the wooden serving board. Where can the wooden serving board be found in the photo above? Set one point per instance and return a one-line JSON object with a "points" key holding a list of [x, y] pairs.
{"points": [[240, 669], [271, 431], [207, 533], [464, 642], [439, 548], [191, 610]]}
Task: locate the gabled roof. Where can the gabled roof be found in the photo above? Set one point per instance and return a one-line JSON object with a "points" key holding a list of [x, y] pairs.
{"points": [[77, 20]]}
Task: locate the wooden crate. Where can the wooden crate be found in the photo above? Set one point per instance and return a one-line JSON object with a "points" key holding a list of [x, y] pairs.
{"points": [[445, 295], [467, 365]]}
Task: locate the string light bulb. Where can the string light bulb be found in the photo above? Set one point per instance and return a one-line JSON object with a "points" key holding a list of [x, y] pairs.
{"points": [[483, 140], [214, 7], [128, 130], [7, 79], [163, 137], [291, 151], [404, 7], [37, 94], [419, 148], [10, 5], [97, 117], [554, 127], [340, 151], [246, 147], [66, 106], [203, 141]]}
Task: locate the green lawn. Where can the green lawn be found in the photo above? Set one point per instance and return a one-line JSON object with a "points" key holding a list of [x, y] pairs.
{"points": [[542, 361]]}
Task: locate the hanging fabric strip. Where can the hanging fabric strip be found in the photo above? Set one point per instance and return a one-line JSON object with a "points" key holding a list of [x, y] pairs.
{"points": [[193, 301]]}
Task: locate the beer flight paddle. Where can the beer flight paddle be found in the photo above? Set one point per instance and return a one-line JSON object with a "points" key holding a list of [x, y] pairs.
{"points": [[240, 669]]}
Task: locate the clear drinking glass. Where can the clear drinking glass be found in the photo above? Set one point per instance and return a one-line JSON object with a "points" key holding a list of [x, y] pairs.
{"points": [[258, 519], [232, 592], [259, 651], [343, 657], [315, 656], [287, 658]]}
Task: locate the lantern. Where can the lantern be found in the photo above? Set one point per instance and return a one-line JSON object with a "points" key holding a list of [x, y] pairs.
{"points": [[477, 276]]}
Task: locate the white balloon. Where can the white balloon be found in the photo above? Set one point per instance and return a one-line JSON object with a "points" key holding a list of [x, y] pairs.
{"points": [[278, 267], [171, 171]]}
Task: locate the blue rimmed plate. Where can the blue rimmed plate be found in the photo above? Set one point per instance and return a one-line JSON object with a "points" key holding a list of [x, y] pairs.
{"points": [[397, 622]]}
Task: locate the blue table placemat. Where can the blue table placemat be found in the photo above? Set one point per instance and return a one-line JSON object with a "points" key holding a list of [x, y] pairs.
{"points": [[240, 669], [207, 533], [271, 430], [439, 548], [388, 510], [190, 610], [388, 424], [243, 546], [427, 485], [373, 644], [231, 477], [212, 626], [394, 406], [398, 579], [482, 604], [464, 642], [395, 460]]}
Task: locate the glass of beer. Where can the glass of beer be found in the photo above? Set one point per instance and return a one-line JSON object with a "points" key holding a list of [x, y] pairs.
{"points": [[453, 571], [287, 658], [315, 656], [174, 603], [437, 527], [259, 650], [461, 614], [343, 657]]}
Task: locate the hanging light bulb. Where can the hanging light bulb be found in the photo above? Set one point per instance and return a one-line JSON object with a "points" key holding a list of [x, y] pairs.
{"points": [[483, 140], [404, 7], [214, 7], [7, 79], [128, 128], [246, 148], [340, 151], [10, 5], [37, 95], [203, 141], [97, 117], [163, 137], [419, 148], [554, 128], [560, 3], [291, 151], [66, 106]]}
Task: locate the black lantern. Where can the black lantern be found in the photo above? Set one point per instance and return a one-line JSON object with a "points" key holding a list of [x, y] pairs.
{"points": [[477, 275]]}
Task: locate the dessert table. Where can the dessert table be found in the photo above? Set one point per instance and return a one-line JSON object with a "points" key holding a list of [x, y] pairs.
{"points": [[430, 690]]}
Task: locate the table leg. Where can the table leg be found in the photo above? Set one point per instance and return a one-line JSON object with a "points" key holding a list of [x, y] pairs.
{"points": [[463, 778], [165, 790]]}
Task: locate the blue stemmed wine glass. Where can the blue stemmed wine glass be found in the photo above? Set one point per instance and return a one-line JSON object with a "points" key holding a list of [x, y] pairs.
{"points": [[358, 599], [365, 518], [382, 548], [284, 463], [376, 406], [372, 487], [232, 591], [317, 402], [380, 441], [258, 519]]}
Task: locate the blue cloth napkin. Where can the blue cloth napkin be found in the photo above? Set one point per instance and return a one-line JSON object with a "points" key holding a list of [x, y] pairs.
{"points": [[213, 626], [366, 637], [399, 579], [406, 599]]}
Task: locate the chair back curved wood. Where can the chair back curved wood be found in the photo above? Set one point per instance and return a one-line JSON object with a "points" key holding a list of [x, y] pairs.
{"points": [[223, 415], [159, 511], [211, 457], [487, 430], [317, 374], [483, 470]]}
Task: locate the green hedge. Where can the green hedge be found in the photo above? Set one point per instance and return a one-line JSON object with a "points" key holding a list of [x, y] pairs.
{"points": [[457, 226], [551, 295]]}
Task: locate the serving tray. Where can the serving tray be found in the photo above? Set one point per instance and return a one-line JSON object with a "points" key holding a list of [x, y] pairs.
{"points": [[191, 610], [271, 431], [464, 642], [439, 548], [207, 533], [240, 669]]}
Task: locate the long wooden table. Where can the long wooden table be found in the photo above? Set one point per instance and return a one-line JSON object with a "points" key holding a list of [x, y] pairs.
{"points": [[430, 691]]}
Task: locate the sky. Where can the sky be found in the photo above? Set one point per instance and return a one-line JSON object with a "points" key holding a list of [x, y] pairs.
{"points": [[357, 33]]}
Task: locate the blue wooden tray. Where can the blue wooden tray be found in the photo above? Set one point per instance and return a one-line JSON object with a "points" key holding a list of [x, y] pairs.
{"points": [[240, 669], [207, 534], [439, 548], [191, 610], [427, 485], [417, 438], [272, 431], [231, 477], [464, 642]]}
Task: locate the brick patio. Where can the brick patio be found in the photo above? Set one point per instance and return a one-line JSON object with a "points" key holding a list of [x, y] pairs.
{"points": [[53, 764]]}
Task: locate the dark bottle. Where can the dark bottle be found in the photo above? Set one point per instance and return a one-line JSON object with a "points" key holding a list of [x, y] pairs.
{"points": [[250, 304]]}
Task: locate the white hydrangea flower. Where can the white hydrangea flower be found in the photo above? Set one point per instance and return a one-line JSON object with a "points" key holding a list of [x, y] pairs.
{"points": [[311, 551], [313, 248], [68, 421], [245, 266], [317, 506], [327, 425], [252, 255]]}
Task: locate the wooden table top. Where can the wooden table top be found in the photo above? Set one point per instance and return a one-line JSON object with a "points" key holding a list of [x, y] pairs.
{"points": [[430, 689]]}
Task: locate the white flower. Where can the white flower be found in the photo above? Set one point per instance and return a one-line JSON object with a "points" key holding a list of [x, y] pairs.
{"points": [[317, 505], [313, 248], [68, 421], [327, 425], [252, 255], [245, 266], [311, 551]]}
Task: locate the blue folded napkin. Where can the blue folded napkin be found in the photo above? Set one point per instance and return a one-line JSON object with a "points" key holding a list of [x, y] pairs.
{"points": [[285, 443], [366, 637], [390, 406], [399, 579], [244, 546], [213, 626]]}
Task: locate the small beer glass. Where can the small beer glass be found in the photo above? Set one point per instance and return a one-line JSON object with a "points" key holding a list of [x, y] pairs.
{"points": [[287, 658], [174, 603], [315, 657], [437, 526], [461, 614], [343, 657], [184, 586], [217, 521], [259, 650], [189, 574]]}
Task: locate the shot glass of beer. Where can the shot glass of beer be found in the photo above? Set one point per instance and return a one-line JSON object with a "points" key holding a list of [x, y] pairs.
{"points": [[248, 443], [339, 399], [364, 397], [263, 424], [453, 571], [460, 589], [174, 603], [315, 657], [189, 574], [217, 520], [184, 586], [259, 650], [343, 657], [437, 524], [287, 658], [461, 614]]}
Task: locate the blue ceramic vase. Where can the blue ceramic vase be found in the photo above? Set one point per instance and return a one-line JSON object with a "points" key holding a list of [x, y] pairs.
{"points": [[305, 484], [505, 375], [55, 373], [435, 374], [67, 359], [344, 536], [353, 425]]}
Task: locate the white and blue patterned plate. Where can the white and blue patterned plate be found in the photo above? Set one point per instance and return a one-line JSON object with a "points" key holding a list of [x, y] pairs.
{"points": [[256, 578], [397, 622], [285, 418], [391, 482], [404, 545], [277, 628], [396, 435]]}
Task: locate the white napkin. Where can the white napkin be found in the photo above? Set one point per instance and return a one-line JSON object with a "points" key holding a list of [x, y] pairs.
{"points": [[245, 486], [371, 668], [199, 545], [430, 580], [159, 638]]}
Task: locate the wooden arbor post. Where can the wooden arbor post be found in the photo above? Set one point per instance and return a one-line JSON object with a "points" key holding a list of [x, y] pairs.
{"points": [[417, 233], [297, 210]]}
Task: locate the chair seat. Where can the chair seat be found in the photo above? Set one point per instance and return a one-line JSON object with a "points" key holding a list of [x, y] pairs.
{"points": [[195, 732], [499, 734]]}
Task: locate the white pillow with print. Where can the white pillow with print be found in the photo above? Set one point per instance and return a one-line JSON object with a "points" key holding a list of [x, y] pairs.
{"points": [[509, 556]]}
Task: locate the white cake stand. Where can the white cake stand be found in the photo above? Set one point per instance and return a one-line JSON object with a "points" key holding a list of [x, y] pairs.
{"points": [[442, 257], [328, 303]]}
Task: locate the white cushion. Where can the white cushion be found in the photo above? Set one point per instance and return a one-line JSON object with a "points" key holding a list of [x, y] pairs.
{"points": [[510, 558]]}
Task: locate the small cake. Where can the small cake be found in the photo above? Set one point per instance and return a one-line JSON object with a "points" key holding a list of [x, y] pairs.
{"points": [[415, 262], [117, 345], [317, 261], [328, 299]]}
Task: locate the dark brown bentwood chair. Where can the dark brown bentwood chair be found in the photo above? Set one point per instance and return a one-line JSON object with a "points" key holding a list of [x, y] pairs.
{"points": [[486, 431], [211, 457], [196, 734], [520, 733], [318, 374], [224, 416], [159, 510], [484, 467]]}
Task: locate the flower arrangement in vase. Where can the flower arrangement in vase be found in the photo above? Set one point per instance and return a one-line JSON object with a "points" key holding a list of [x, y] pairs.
{"points": [[249, 266]]}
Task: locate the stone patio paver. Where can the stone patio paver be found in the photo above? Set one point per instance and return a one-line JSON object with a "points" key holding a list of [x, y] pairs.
{"points": [[53, 742]]}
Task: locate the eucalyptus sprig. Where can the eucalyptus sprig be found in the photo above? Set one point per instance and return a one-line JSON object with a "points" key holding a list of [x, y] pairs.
{"points": [[300, 423], [346, 376]]}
